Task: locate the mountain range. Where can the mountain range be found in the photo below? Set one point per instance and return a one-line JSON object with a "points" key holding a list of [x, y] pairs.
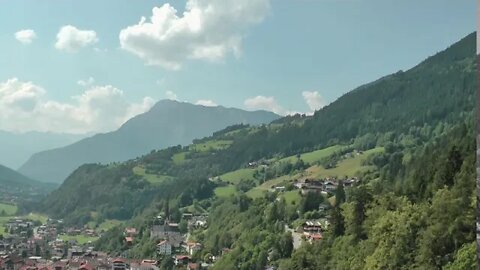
{"points": [[410, 107], [168, 123], [13, 182], [405, 140], [17, 148]]}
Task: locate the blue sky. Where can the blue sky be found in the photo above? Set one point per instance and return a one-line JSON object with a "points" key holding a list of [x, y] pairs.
{"points": [[286, 56]]}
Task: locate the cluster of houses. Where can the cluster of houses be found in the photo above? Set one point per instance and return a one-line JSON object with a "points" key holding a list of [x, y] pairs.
{"points": [[19, 226], [130, 234], [312, 229], [171, 243], [325, 186], [26, 243], [80, 261]]}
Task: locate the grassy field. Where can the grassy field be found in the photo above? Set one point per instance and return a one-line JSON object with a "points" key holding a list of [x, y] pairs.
{"points": [[195, 209], [276, 181], [314, 156], [37, 217], [152, 178], [8, 209], [211, 145], [104, 226], [3, 221], [179, 158], [292, 197], [347, 167], [256, 193], [235, 176], [81, 239], [109, 224], [226, 191]]}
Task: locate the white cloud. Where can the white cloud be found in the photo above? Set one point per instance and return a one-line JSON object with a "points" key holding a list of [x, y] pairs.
{"points": [[207, 30], [314, 100], [264, 103], [86, 82], [24, 107], [72, 39], [206, 103], [25, 36], [171, 95]]}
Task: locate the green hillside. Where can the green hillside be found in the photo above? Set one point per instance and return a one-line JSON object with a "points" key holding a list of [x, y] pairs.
{"points": [[167, 123], [408, 137]]}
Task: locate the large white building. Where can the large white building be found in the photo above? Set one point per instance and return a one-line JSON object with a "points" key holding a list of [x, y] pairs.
{"points": [[164, 248]]}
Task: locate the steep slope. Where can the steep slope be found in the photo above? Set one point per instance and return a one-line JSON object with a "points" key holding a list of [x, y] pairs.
{"points": [[168, 123], [411, 107], [439, 90], [12, 180], [16, 149]]}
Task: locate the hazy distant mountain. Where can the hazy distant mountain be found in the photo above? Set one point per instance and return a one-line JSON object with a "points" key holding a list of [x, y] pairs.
{"points": [[168, 123], [16, 149], [12, 179]]}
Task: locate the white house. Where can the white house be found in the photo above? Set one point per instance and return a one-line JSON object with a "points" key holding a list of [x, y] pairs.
{"points": [[193, 247], [164, 248]]}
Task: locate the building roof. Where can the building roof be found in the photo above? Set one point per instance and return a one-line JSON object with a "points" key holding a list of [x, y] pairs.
{"points": [[129, 239], [163, 243], [118, 260], [182, 257]]}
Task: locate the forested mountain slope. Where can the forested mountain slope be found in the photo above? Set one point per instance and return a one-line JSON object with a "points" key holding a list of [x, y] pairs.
{"points": [[412, 209], [440, 89], [10, 180], [168, 123], [17, 148]]}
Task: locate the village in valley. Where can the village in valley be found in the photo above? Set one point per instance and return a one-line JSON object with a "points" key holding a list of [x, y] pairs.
{"points": [[36, 242], [47, 244]]}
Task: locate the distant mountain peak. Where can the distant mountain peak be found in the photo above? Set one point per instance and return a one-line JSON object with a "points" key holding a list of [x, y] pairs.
{"points": [[167, 123]]}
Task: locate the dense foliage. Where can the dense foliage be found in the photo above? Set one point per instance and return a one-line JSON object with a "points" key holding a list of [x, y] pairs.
{"points": [[414, 210], [392, 224]]}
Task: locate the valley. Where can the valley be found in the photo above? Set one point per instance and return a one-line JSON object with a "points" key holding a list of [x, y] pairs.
{"points": [[374, 180]]}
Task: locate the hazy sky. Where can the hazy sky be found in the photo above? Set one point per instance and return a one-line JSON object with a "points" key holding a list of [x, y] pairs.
{"points": [[87, 66]]}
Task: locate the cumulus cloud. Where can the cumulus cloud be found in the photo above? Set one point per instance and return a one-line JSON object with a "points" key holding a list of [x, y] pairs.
{"points": [[72, 39], [206, 103], [86, 82], [314, 100], [171, 95], [264, 103], [207, 30], [25, 106], [25, 36]]}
